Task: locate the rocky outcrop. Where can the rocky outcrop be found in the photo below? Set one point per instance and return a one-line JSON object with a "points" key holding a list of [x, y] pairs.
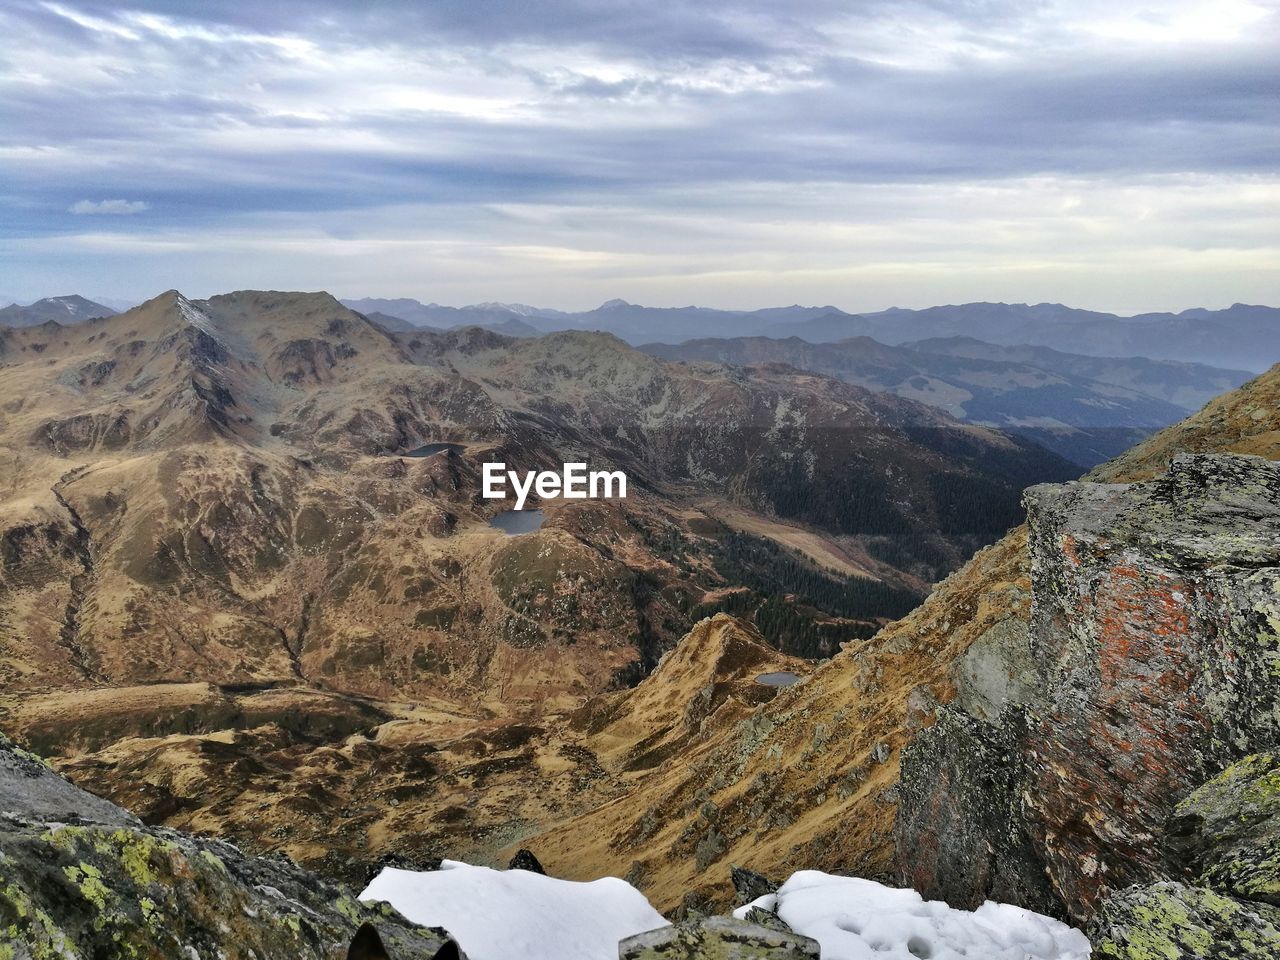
{"points": [[1154, 625], [1153, 636], [1170, 921], [718, 938], [749, 885], [1227, 833], [959, 834], [525, 860], [80, 878]]}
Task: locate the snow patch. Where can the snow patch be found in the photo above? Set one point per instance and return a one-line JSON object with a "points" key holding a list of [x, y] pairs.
{"points": [[195, 316], [856, 919], [500, 914]]}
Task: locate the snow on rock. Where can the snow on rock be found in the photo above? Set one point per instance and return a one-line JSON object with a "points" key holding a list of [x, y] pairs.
{"points": [[195, 316], [857, 919], [500, 914]]}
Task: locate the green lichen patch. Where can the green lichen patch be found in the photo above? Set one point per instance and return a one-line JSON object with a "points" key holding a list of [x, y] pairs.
{"points": [[718, 938], [1170, 921], [1227, 832], [110, 893]]}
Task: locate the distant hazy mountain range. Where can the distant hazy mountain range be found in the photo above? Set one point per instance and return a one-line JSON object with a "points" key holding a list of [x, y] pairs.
{"points": [[69, 309], [1189, 385], [500, 317], [1241, 336], [628, 321]]}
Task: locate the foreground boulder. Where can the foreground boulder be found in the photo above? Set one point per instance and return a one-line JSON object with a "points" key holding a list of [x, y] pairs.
{"points": [[1171, 921], [1155, 625], [718, 938], [82, 878], [1153, 640]]}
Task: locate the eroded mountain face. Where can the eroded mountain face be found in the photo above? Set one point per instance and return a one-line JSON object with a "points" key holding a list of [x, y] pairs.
{"points": [[221, 568]]}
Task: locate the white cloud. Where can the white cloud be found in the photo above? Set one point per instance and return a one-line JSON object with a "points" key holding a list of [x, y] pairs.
{"points": [[96, 24], [1128, 245], [1110, 153], [118, 207]]}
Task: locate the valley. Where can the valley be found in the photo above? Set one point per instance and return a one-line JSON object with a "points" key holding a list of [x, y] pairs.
{"points": [[251, 589], [250, 584]]}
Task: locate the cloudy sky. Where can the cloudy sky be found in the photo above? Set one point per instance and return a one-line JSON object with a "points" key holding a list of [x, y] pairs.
{"points": [[735, 153]]}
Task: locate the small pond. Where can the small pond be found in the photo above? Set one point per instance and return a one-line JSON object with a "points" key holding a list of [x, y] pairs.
{"points": [[429, 449], [515, 522], [782, 678]]}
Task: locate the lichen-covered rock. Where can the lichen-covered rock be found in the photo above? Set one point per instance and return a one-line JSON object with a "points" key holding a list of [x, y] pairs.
{"points": [[959, 835], [1154, 625], [766, 918], [1155, 643], [718, 938], [1170, 921], [1227, 832], [749, 885], [28, 786], [996, 671], [105, 887]]}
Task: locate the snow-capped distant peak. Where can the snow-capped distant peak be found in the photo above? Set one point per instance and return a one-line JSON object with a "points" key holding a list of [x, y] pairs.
{"points": [[614, 304]]}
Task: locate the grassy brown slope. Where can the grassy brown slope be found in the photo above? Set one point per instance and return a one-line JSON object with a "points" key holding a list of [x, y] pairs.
{"points": [[797, 784], [1246, 420], [229, 601], [805, 781]]}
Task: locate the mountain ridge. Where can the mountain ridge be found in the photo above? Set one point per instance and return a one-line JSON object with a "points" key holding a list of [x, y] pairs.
{"points": [[222, 554], [1242, 336], [72, 308], [1048, 398]]}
